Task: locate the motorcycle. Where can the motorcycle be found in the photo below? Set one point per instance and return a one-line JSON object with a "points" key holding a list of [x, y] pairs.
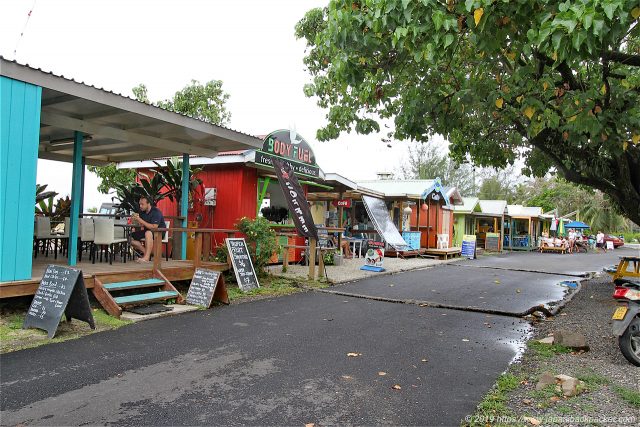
{"points": [[626, 319]]}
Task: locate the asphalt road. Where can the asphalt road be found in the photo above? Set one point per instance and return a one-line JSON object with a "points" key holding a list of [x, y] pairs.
{"points": [[552, 263], [284, 360], [280, 361], [482, 288]]}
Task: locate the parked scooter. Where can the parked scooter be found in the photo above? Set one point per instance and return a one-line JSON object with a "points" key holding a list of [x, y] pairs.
{"points": [[626, 319]]}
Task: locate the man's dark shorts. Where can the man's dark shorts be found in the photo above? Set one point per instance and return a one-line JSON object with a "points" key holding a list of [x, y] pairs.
{"points": [[137, 235]]}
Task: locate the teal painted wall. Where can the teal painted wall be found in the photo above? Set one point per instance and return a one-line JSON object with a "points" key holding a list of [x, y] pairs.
{"points": [[19, 139]]}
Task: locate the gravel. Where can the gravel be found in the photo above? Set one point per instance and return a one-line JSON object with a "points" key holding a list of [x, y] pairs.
{"points": [[603, 368], [350, 268]]}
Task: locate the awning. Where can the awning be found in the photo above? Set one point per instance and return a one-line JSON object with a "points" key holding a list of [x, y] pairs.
{"points": [[117, 128]]}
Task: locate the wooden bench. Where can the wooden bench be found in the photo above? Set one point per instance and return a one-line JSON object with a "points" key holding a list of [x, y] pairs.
{"points": [[313, 249], [561, 249]]}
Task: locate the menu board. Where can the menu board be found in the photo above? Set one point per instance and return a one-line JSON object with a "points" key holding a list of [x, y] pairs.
{"points": [[492, 242], [469, 246], [61, 290], [242, 265], [206, 286]]}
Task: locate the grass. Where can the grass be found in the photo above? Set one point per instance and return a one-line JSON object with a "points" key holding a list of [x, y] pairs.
{"points": [[494, 403], [274, 286], [547, 350], [632, 397], [592, 380], [13, 337]]}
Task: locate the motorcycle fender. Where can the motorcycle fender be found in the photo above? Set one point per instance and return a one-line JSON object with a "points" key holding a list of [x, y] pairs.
{"points": [[619, 326]]}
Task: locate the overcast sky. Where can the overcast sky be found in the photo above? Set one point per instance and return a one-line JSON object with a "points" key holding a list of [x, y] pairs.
{"points": [[249, 45]]}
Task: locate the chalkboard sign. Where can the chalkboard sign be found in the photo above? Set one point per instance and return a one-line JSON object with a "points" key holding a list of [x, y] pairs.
{"points": [[492, 242], [61, 290], [206, 286], [242, 265], [469, 246]]}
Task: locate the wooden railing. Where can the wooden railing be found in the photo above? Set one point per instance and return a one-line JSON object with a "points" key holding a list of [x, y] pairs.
{"points": [[202, 246]]}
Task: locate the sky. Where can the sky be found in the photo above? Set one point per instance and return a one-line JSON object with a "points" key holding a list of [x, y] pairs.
{"points": [[249, 45]]}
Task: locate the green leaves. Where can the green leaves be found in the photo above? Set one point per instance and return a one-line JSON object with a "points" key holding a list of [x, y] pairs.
{"points": [[496, 78]]}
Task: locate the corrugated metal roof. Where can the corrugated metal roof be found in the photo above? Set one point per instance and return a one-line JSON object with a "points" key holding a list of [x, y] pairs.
{"points": [[397, 186], [467, 206], [493, 207], [519, 210]]}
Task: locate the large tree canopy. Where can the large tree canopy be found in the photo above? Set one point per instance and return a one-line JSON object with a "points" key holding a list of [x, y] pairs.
{"points": [[555, 82]]}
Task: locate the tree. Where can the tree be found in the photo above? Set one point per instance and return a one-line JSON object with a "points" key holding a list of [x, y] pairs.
{"points": [[171, 175], [557, 83], [427, 161], [111, 177], [206, 102]]}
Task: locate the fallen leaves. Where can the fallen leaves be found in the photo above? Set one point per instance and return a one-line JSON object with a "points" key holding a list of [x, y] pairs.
{"points": [[532, 421], [465, 340], [499, 102], [497, 282], [354, 354], [424, 360], [529, 112], [396, 387], [382, 373], [347, 377]]}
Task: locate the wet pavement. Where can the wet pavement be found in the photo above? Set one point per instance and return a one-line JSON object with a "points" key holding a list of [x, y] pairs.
{"points": [[491, 289], [285, 360], [280, 361], [576, 264]]}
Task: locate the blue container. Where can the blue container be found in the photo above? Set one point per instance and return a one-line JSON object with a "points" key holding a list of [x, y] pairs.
{"points": [[412, 238]]}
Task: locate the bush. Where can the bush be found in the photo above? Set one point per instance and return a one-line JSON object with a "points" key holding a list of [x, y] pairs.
{"points": [[629, 237], [261, 240]]}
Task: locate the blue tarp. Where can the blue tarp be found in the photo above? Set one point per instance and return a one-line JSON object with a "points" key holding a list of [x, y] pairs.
{"points": [[576, 224]]}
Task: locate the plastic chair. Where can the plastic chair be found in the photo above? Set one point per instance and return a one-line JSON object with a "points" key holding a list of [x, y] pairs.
{"points": [[43, 235], [105, 237], [87, 235], [443, 241]]}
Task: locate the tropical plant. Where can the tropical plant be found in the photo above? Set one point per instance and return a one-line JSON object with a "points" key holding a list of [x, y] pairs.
{"points": [[42, 194], [556, 83], [128, 195], [56, 209], [171, 175], [261, 239], [45, 207]]}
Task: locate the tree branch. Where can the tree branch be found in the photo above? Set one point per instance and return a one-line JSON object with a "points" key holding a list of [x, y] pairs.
{"points": [[622, 58]]}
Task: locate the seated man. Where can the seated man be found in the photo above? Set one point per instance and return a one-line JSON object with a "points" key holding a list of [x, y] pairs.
{"points": [[148, 219]]}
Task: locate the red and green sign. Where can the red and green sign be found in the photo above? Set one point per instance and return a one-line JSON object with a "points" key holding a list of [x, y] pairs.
{"points": [[288, 146]]}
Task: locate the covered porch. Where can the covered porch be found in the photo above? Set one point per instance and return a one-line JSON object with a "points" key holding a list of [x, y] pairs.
{"points": [[45, 116]]}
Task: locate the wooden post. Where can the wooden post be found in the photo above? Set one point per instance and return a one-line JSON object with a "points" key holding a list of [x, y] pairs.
{"points": [[341, 222], [198, 250], [400, 217], [312, 258], [320, 263], [428, 221], [206, 247], [157, 250], [285, 259]]}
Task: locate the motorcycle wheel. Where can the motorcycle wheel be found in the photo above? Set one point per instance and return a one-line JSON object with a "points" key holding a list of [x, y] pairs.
{"points": [[629, 342]]}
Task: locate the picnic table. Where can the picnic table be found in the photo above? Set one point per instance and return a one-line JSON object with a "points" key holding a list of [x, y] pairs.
{"points": [[623, 267]]}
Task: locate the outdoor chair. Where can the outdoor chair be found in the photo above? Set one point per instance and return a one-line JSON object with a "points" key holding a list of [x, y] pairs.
{"points": [[64, 236], [87, 234], [105, 238], [443, 241], [43, 235]]}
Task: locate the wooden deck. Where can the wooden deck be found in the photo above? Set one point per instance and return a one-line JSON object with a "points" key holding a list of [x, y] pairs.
{"points": [[444, 253], [424, 252], [172, 269]]}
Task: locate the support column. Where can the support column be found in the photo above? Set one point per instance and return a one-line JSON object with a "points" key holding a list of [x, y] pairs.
{"points": [[84, 168], [184, 203], [76, 196]]}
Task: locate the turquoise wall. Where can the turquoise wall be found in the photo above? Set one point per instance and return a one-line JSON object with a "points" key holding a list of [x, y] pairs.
{"points": [[19, 139]]}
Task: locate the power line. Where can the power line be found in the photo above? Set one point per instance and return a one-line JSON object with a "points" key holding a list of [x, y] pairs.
{"points": [[24, 27]]}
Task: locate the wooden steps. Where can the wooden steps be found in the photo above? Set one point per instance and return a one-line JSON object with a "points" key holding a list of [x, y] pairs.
{"points": [[118, 291]]}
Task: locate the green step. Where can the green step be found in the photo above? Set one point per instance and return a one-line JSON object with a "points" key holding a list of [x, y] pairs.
{"points": [[118, 286], [142, 298]]}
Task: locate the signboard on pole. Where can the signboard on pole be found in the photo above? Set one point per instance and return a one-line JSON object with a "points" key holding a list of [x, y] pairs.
{"points": [[468, 246], [298, 204], [287, 146]]}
